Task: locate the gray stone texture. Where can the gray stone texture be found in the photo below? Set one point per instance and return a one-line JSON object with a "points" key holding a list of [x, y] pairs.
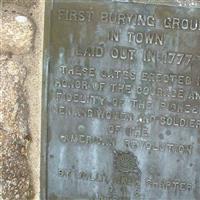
{"points": [[16, 40]]}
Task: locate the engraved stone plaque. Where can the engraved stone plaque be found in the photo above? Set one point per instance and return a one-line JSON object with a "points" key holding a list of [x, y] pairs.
{"points": [[123, 101]]}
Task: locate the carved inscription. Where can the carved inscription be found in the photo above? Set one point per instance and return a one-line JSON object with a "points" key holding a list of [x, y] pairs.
{"points": [[123, 102]]}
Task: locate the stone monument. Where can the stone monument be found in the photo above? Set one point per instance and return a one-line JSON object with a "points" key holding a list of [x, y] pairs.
{"points": [[99, 100]]}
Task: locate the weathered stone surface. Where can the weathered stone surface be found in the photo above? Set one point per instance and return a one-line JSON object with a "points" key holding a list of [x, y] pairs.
{"points": [[15, 39], [16, 36], [14, 131], [25, 3]]}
